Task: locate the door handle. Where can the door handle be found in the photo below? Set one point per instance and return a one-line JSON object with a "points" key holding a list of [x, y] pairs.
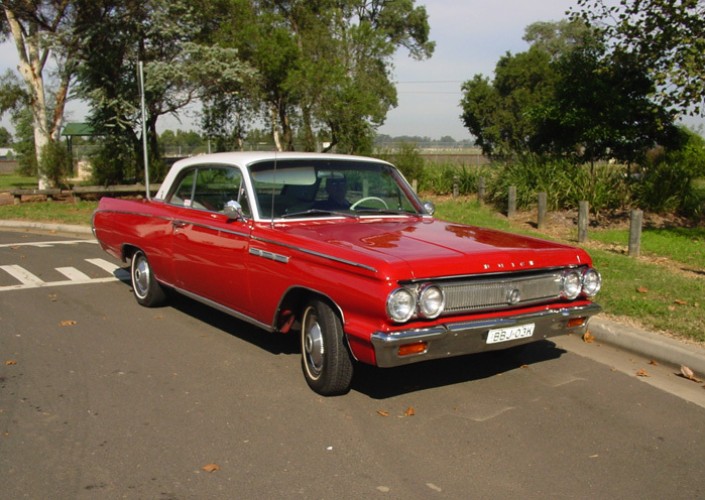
{"points": [[179, 224]]}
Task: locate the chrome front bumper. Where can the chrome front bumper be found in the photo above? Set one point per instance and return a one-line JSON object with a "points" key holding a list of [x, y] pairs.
{"points": [[457, 339]]}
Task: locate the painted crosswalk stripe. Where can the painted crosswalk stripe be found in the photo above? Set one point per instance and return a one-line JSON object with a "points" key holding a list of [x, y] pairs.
{"points": [[73, 274], [22, 275], [104, 264], [113, 269]]}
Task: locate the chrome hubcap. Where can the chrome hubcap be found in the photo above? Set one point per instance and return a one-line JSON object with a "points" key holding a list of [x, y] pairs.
{"points": [[313, 346], [140, 277]]}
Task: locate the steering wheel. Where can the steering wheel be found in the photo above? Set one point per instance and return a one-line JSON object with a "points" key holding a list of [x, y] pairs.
{"points": [[368, 198]]}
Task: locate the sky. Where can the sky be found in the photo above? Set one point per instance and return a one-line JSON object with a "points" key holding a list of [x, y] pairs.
{"points": [[470, 36]]}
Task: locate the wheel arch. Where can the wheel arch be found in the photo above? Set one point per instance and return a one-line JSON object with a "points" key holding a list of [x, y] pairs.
{"points": [[293, 302]]}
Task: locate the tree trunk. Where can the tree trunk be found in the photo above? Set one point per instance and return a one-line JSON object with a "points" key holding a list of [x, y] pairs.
{"points": [[32, 59]]}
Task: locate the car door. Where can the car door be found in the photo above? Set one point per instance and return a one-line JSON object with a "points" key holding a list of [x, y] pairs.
{"points": [[209, 247]]}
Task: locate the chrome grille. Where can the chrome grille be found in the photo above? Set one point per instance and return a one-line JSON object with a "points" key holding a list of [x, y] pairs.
{"points": [[501, 293]]}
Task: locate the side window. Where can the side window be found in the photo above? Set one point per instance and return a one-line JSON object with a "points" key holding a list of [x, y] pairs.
{"points": [[210, 188], [183, 194]]}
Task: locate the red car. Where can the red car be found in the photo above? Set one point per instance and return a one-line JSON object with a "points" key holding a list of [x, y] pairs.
{"points": [[340, 250]]}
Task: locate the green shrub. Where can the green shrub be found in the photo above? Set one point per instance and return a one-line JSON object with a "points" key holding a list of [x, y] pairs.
{"points": [[672, 180], [564, 183], [114, 162], [55, 162]]}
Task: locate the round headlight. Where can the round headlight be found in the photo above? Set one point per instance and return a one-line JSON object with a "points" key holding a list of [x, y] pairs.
{"points": [[592, 282], [401, 305], [572, 284], [431, 301]]}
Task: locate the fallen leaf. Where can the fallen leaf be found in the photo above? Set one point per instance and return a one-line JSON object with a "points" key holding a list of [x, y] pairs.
{"points": [[588, 338], [688, 373], [642, 289], [680, 302], [653, 362], [68, 322], [383, 413], [210, 467], [642, 373], [10, 362], [53, 297], [410, 412], [671, 308]]}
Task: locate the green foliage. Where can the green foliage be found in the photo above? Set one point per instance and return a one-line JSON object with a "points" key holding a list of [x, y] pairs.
{"points": [[568, 96], [667, 37], [496, 114], [565, 184], [114, 162], [670, 178], [24, 143], [55, 162], [5, 138], [407, 158], [441, 178]]}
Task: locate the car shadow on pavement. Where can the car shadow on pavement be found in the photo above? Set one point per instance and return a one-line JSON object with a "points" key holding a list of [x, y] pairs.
{"points": [[382, 383]]}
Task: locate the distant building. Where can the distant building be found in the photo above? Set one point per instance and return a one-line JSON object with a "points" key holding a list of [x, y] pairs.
{"points": [[7, 154]]}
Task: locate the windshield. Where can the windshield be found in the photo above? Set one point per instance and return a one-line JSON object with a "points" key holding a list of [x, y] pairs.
{"points": [[314, 188]]}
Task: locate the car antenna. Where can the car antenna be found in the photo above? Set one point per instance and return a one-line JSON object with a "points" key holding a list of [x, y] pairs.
{"points": [[144, 130]]}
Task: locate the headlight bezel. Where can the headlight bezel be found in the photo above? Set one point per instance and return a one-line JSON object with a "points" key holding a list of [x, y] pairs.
{"points": [[395, 304], [430, 293], [591, 282]]}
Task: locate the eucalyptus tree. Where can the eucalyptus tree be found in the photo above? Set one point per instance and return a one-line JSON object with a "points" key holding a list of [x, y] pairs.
{"points": [[324, 66], [180, 65], [47, 40]]}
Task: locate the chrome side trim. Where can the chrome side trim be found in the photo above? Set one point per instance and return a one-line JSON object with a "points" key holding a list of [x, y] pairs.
{"points": [[258, 252], [468, 337], [316, 254], [224, 309]]}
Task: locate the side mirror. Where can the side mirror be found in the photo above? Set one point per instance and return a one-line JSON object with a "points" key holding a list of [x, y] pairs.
{"points": [[429, 207], [233, 210]]}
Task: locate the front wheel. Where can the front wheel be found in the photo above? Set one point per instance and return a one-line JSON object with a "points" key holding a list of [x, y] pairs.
{"points": [[148, 291], [326, 362]]}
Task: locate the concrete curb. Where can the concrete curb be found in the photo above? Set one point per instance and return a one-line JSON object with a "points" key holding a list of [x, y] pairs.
{"points": [[76, 230], [648, 344], [651, 345]]}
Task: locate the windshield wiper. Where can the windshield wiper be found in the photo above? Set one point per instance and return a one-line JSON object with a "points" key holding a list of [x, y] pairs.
{"points": [[318, 211]]}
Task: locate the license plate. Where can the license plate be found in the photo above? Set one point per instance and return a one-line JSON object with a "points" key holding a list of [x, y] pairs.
{"points": [[508, 334]]}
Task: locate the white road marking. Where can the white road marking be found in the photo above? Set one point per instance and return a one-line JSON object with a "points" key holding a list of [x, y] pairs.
{"points": [[22, 275], [104, 265], [75, 277], [73, 274]]}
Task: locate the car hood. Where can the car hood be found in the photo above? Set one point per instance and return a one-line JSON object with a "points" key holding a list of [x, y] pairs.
{"points": [[434, 248]]}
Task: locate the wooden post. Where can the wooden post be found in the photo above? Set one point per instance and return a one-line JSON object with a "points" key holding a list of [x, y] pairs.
{"points": [[512, 202], [635, 232], [543, 202], [456, 186], [415, 185], [481, 189], [583, 215]]}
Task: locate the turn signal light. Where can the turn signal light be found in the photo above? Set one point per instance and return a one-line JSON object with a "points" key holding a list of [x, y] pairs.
{"points": [[415, 348], [575, 322]]}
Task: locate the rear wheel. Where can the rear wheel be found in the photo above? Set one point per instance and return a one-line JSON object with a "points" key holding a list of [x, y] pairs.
{"points": [[148, 291], [326, 362]]}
